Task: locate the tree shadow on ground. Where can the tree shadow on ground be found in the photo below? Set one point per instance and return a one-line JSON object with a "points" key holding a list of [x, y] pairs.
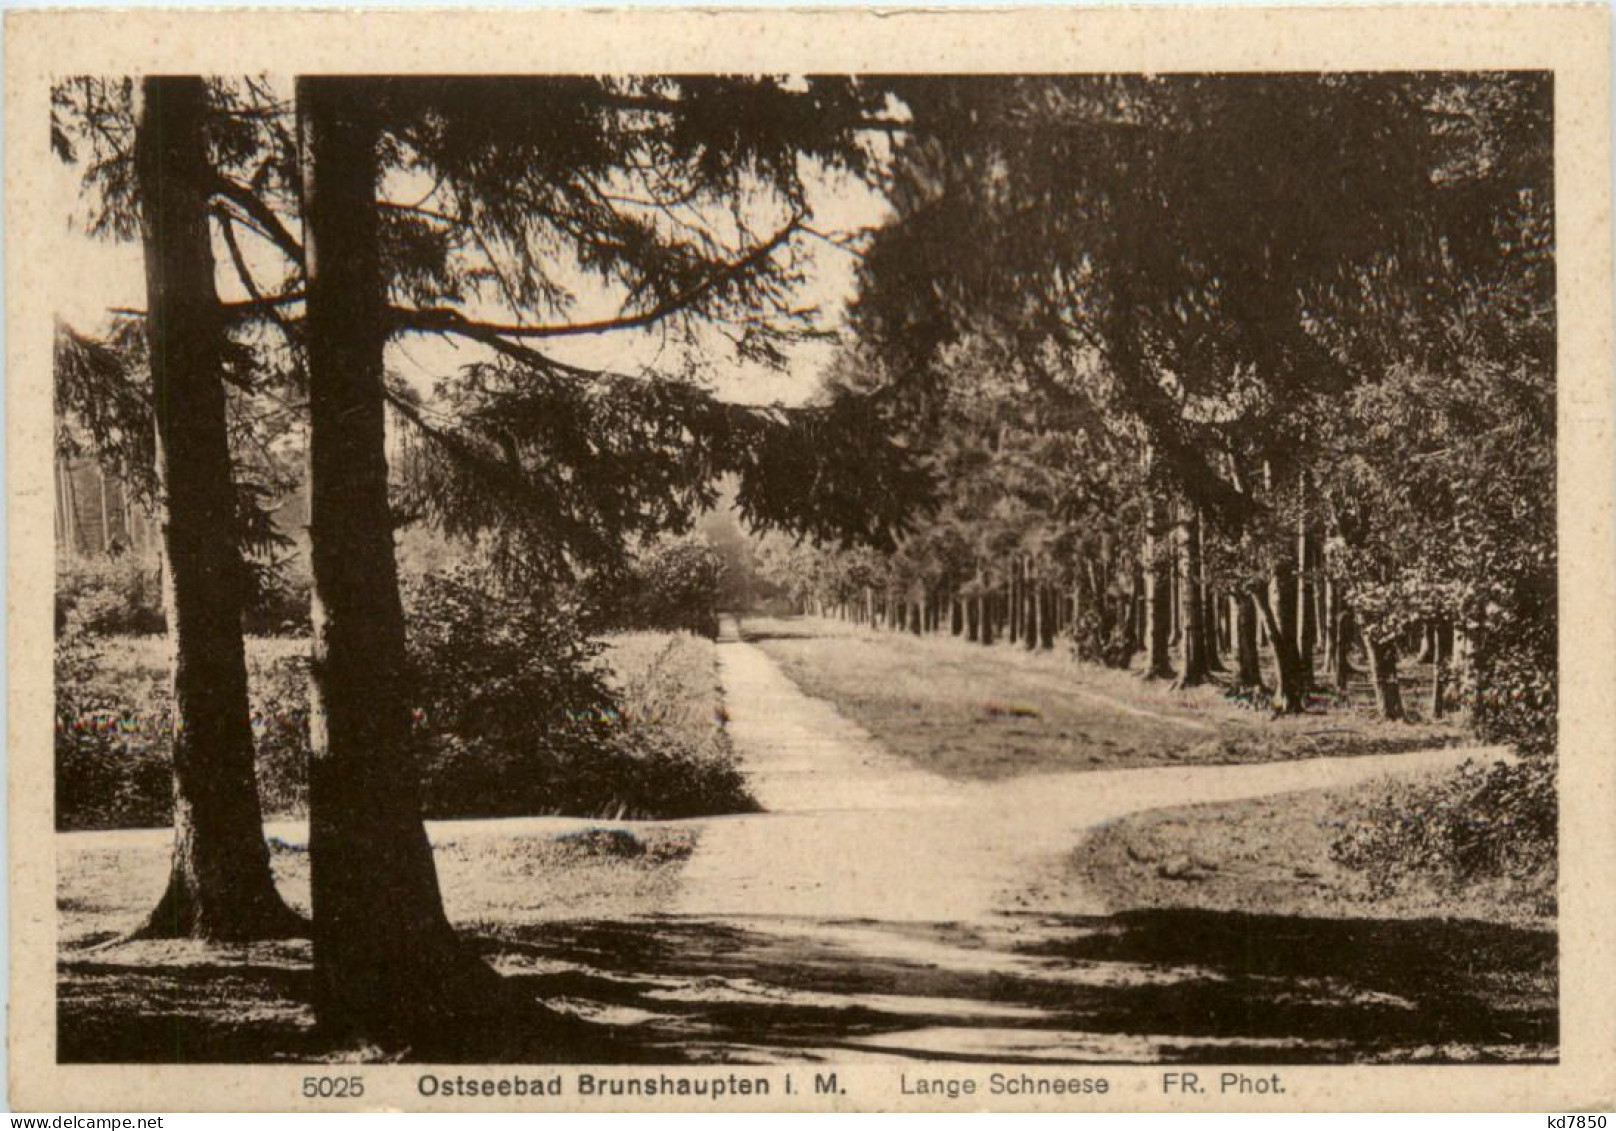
{"points": [[193, 1002], [1143, 986], [1379, 985]]}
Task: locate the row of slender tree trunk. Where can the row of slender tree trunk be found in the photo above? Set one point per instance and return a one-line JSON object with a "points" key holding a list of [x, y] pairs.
{"points": [[1167, 605]]}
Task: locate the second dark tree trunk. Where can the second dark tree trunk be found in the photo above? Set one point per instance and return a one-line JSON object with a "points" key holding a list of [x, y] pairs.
{"points": [[387, 965], [1291, 694], [1248, 666], [1383, 671]]}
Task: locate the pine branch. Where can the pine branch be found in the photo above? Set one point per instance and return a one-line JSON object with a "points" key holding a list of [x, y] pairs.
{"points": [[264, 216], [267, 304], [444, 319]]}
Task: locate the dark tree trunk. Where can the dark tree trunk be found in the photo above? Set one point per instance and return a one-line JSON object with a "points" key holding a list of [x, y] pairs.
{"points": [[1159, 664], [1031, 628], [1175, 573], [1307, 628], [1327, 625], [1212, 610], [1343, 633], [1220, 640], [1291, 695], [1323, 600], [219, 884], [1383, 671], [1138, 616], [1194, 610], [1439, 658], [1248, 667], [387, 965], [1013, 604], [1211, 623], [1427, 643], [1285, 615]]}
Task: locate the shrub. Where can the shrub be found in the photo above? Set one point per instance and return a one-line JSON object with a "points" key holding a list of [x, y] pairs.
{"points": [[1475, 825], [111, 742], [508, 694], [1100, 640], [123, 596], [1513, 690], [672, 722], [518, 716], [115, 716], [672, 586], [515, 714], [278, 698], [110, 596]]}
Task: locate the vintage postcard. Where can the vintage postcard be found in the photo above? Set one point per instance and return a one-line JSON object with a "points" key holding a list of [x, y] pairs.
{"points": [[1043, 559]]}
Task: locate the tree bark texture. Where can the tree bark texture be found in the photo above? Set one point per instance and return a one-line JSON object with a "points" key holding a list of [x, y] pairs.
{"points": [[1383, 671], [387, 964], [1248, 666], [1159, 608], [1193, 608], [219, 886], [1290, 696]]}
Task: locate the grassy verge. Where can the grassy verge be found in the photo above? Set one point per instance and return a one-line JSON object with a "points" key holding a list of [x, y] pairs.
{"points": [[1254, 893], [969, 712], [1277, 856]]}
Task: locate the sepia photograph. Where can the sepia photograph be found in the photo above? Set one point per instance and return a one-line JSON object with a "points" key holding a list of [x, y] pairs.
{"points": [[998, 578]]}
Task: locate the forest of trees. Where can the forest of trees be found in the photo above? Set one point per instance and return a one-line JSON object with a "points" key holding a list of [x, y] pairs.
{"points": [[1211, 365], [1210, 360]]}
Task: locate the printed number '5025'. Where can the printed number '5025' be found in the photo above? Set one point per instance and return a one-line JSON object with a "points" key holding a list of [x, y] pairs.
{"points": [[334, 1087]]}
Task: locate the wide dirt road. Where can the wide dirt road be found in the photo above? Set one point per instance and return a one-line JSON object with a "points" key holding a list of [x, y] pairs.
{"points": [[852, 832], [870, 912]]}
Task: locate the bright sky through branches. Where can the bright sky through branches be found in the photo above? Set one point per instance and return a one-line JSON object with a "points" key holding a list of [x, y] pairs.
{"points": [[839, 205]]}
